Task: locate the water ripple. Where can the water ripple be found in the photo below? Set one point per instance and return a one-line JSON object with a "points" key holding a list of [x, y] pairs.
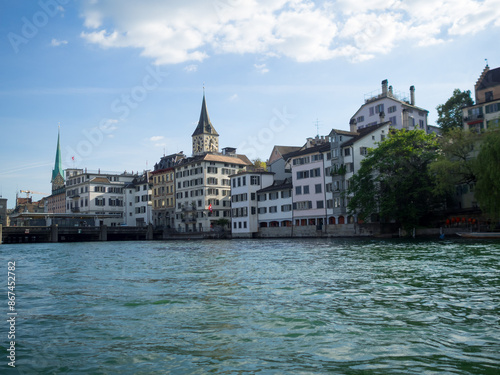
{"points": [[245, 307]]}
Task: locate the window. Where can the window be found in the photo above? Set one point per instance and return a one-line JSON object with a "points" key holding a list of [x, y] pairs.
{"points": [[372, 111], [317, 189], [286, 208], [302, 174], [421, 123], [320, 204], [262, 210], [298, 190], [360, 119], [254, 180], [347, 152], [316, 172], [488, 96], [273, 209], [491, 108], [273, 196], [391, 109], [306, 189], [363, 151], [304, 205]]}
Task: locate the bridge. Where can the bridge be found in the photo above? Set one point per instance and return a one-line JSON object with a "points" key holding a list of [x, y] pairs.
{"points": [[55, 233]]}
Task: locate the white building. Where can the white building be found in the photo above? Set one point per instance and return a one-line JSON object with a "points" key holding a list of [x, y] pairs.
{"points": [[309, 179], [99, 193], [137, 204], [348, 150], [387, 105], [244, 187], [275, 206]]}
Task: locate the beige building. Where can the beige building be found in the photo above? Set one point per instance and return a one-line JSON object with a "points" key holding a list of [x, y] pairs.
{"points": [[163, 178]]}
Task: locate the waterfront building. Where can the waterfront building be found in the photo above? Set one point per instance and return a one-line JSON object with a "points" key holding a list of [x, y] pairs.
{"points": [[163, 177], [485, 113], [203, 186], [275, 205], [137, 204], [310, 177], [348, 149], [98, 193], [244, 209], [277, 164], [56, 201], [388, 105], [4, 218]]}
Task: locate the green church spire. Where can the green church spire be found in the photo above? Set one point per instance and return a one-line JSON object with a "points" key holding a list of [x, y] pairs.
{"points": [[58, 171]]}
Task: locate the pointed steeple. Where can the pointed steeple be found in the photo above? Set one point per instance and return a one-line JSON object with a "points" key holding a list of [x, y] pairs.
{"points": [[204, 124], [58, 171]]}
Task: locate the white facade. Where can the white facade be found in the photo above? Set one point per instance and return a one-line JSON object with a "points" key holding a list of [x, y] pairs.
{"points": [[97, 193], [275, 205], [348, 150], [244, 187], [390, 106], [137, 202], [203, 190], [309, 181]]}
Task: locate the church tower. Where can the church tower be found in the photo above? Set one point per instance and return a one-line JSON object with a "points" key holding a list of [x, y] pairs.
{"points": [[205, 138], [57, 172]]}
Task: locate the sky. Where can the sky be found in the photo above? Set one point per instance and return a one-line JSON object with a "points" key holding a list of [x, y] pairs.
{"points": [[124, 80]]}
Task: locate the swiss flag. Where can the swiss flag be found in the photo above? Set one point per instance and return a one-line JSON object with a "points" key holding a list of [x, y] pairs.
{"points": [[210, 207]]}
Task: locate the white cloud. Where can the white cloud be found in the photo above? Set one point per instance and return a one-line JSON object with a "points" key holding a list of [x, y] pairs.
{"points": [[261, 68], [156, 138], [56, 43], [233, 97], [304, 30], [191, 68]]}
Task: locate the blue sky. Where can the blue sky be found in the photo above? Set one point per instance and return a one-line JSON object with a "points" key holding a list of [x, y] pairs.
{"points": [[124, 79]]}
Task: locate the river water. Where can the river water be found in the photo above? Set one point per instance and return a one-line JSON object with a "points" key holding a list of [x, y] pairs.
{"points": [[255, 306]]}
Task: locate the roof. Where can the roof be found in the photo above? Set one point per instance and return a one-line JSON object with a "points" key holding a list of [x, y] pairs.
{"points": [[204, 124], [282, 150], [402, 102], [238, 159], [251, 172], [311, 150], [278, 185], [364, 132], [344, 132], [490, 78], [102, 180]]}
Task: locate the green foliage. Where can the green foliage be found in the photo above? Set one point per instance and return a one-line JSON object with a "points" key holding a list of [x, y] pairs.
{"points": [[258, 163], [456, 163], [394, 179], [339, 170], [450, 113], [488, 170], [222, 222]]}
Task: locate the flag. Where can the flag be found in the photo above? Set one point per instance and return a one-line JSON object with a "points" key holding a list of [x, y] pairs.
{"points": [[210, 207], [73, 158]]}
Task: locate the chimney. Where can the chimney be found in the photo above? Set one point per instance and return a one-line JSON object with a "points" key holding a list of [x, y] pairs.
{"points": [[384, 87], [352, 125], [382, 116], [412, 95], [390, 91]]}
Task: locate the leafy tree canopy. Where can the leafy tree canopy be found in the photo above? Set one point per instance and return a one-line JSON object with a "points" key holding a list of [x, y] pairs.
{"points": [[394, 179], [456, 163], [450, 113], [258, 163], [488, 170]]}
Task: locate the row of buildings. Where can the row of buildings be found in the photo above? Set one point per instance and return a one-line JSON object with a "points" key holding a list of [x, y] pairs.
{"points": [[302, 191]]}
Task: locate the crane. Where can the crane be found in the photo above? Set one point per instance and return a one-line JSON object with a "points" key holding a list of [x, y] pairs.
{"points": [[28, 192]]}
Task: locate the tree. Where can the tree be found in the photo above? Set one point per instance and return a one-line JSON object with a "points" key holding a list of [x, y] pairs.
{"points": [[450, 113], [394, 180], [488, 174], [456, 163], [257, 163]]}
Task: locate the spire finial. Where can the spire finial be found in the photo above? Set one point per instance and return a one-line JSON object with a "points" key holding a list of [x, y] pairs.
{"points": [[203, 88], [486, 61]]}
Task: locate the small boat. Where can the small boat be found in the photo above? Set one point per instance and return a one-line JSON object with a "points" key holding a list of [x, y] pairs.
{"points": [[479, 234]]}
